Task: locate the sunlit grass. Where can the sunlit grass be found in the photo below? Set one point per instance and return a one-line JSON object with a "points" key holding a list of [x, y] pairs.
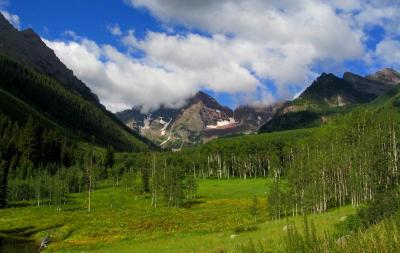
{"points": [[122, 222]]}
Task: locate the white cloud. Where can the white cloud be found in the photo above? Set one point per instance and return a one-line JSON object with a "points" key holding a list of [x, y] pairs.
{"points": [[247, 42], [210, 61], [114, 30], [276, 40], [122, 81], [388, 52], [12, 18]]}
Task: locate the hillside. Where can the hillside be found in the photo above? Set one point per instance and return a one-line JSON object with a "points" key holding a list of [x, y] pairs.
{"points": [[27, 47], [32, 73], [329, 95], [51, 100]]}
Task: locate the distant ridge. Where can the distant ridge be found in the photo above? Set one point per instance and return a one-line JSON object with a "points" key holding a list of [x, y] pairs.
{"points": [[329, 95], [199, 120]]}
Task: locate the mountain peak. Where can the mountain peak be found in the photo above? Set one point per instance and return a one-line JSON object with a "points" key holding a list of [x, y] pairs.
{"points": [[386, 75], [5, 24], [208, 101], [349, 75], [326, 76], [200, 95], [322, 87], [27, 47]]}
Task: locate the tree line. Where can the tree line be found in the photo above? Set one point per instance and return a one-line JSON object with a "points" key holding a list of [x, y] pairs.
{"points": [[67, 108], [41, 164]]}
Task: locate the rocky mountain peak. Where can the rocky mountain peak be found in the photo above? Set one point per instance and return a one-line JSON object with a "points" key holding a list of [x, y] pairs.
{"points": [[209, 102], [386, 75], [202, 118]]}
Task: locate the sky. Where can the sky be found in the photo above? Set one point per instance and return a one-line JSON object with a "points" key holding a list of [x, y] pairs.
{"points": [[147, 53]]}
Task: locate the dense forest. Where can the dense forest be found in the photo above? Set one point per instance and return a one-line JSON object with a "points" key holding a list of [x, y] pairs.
{"points": [[81, 117], [346, 162]]}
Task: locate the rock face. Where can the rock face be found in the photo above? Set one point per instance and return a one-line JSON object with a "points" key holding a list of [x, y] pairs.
{"points": [[201, 119], [386, 75], [328, 95], [28, 48]]}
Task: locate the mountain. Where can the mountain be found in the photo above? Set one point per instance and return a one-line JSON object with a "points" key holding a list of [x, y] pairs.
{"points": [[35, 84], [329, 95], [26, 47], [386, 75], [201, 119]]}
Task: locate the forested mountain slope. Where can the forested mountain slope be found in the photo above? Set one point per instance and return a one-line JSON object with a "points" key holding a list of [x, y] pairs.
{"points": [[27, 47], [32, 74], [59, 105], [329, 95]]}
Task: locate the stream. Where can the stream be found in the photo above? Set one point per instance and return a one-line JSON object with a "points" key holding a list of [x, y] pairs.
{"points": [[12, 245]]}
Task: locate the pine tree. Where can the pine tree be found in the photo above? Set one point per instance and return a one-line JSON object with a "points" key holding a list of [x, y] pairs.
{"points": [[3, 183]]}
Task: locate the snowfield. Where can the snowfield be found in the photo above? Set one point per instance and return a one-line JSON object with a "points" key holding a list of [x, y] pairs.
{"points": [[222, 123]]}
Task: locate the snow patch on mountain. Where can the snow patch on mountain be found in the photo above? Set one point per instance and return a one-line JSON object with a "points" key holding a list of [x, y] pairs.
{"points": [[166, 124], [164, 142], [222, 123]]}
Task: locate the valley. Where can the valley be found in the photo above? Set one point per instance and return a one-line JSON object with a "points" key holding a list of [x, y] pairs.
{"points": [[113, 143], [119, 221]]}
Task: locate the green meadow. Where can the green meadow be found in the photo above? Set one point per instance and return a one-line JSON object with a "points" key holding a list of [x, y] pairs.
{"points": [[224, 217]]}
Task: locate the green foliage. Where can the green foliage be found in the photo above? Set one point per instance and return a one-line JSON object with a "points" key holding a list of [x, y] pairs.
{"points": [[292, 120], [254, 209], [84, 118], [109, 159], [3, 184], [382, 237], [304, 242], [251, 247], [383, 206]]}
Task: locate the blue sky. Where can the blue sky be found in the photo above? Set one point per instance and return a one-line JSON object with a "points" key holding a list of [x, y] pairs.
{"points": [[151, 52], [52, 18]]}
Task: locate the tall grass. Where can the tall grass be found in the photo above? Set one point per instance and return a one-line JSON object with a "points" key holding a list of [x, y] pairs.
{"points": [[382, 237]]}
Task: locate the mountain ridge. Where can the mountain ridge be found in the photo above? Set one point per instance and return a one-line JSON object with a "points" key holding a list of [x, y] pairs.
{"points": [[200, 119], [329, 95], [32, 73], [28, 48]]}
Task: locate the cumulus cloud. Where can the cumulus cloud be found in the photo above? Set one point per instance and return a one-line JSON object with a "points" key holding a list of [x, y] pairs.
{"points": [[12, 18], [388, 52], [247, 43], [122, 81]]}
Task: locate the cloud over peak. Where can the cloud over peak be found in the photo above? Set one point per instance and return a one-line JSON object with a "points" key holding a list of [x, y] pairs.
{"points": [[242, 45]]}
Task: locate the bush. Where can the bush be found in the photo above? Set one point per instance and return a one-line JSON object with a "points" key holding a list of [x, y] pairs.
{"points": [[382, 206]]}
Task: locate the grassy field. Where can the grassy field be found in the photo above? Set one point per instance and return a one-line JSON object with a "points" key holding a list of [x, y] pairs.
{"points": [[218, 220]]}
